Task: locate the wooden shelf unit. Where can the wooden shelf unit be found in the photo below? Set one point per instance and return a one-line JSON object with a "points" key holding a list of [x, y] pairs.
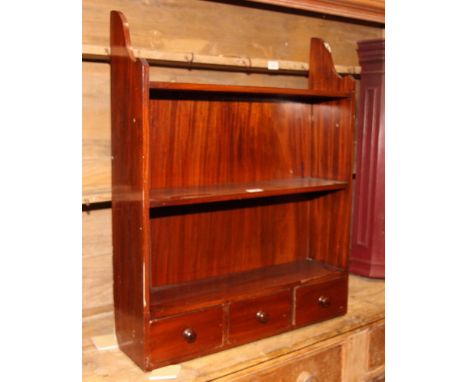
{"points": [[230, 207]]}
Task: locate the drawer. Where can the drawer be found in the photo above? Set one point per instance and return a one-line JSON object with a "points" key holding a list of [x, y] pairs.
{"points": [[320, 302], [174, 338], [260, 317], [301, 366]]}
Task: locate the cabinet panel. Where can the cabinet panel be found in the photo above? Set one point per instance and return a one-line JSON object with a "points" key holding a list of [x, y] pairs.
{"points": [[367, 255], [258, 318]]}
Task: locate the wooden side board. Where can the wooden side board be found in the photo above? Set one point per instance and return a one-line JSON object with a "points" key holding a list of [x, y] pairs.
{"points": [[130, 189], [350, 347]]}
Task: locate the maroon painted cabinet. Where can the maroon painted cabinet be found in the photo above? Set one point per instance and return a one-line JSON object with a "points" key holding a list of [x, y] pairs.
{"points": [[231, 207], [367, 256]]}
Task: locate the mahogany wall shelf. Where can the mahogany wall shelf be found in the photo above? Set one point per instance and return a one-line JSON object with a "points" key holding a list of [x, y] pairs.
{"points": [[230, 207]]}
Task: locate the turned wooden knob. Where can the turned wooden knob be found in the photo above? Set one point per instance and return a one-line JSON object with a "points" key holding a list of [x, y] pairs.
{"points": [[324, 301], [189, 335], [262, 316], [306, 377]]}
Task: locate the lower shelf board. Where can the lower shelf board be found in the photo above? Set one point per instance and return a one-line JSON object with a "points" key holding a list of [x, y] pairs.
{"points": [[174, 299]]}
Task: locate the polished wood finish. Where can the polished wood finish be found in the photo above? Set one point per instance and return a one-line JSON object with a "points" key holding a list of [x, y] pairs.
{"points": [[367, 257], [237, 38], [225, 192], [230, 207], [130, 208], [319, 302], [288, 354], [178, 338], [177, 298], [260, 317], [283, 93], [227, 238]]}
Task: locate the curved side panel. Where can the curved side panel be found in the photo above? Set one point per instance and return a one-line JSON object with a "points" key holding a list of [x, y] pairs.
{"points": [[322, 73], [120, 36], [130, 207]]}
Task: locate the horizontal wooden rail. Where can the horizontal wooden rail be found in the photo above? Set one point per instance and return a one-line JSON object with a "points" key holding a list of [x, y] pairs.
{"points": [[199, 61]]}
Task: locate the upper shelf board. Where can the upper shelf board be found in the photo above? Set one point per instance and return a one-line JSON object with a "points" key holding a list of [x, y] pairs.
{"points": [[249, 90]]}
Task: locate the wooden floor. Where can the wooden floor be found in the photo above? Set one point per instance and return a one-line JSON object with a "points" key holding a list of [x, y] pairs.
{"points": [[364, 323]]}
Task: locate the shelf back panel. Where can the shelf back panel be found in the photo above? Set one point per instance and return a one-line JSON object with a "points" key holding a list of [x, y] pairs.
{"points": [[215, 140], [201, 241]]}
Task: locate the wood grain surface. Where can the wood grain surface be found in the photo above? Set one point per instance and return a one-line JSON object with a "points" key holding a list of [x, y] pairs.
{"points": [[160, 197], [97, 262], [260, 317], [174, 299], [370, 10], [167, 342], [366, 307], [130, 207], [377, 347], [309, 304], [324, 365], [220, 241], [217, 29], [155, 26], [233, 236]]}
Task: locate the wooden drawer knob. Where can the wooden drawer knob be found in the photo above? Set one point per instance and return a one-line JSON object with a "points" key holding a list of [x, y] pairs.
{"points": [[262, 317], [306, 377], [324, 301], [189, 335]]}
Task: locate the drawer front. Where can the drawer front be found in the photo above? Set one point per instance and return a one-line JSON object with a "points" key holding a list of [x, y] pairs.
{"points": [[319, 302], [177, 338], [261, 317]]}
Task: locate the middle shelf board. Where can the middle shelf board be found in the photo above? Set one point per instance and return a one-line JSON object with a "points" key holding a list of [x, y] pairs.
{"points": [[162, 197], [177, 298]]}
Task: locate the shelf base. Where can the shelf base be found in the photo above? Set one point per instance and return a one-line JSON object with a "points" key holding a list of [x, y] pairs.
{"points": [[174, 299]]}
